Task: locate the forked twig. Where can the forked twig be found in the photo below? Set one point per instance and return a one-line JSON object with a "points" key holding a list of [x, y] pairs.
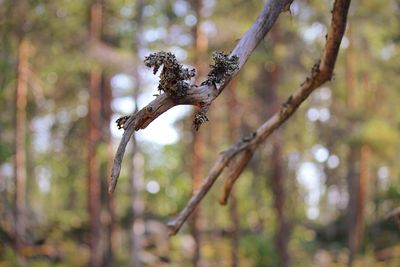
{"points": [[320, 73], [201, 96]]}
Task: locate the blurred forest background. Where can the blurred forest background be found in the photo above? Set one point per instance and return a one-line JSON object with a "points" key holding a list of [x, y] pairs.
{"points": [[323, 190]]}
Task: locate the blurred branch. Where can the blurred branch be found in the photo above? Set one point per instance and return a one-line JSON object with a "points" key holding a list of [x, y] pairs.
{"points": [[394, 213], [108, 55], [201, 96], [243, 150], [237, 166]]}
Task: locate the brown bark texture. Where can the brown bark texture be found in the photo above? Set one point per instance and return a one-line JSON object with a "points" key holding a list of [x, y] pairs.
{"points": [[108, 210], [94, 200], [20, 144], [198, 146], [277, 178]]}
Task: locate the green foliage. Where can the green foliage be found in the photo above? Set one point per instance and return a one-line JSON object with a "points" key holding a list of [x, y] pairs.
{"points": [[5, 152], [381, 136]]}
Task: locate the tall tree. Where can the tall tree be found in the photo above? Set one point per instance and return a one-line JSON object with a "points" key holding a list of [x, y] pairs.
{"points": [[137, 205], [20, 143], [277, 177], [233, 126], [20, 127], [94, 201], [358, 158], [107, 202], [198, 146]]}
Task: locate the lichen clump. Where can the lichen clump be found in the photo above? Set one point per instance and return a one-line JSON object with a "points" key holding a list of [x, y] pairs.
{"points": [[174, 78], [199, 118], [223, 67]]}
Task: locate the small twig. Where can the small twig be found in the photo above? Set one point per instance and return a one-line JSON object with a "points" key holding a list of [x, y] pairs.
{"points": [[320, 73], [119, 156], [214, 173]]}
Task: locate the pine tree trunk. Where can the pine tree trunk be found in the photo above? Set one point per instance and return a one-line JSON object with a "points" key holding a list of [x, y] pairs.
{"points": [[20, 145], [278, 190], [234, 125], [277, 179], [201, 45], [107, 201], [352, 184], [94, 201], [355, 177], [365, 155], [358, 195], [94, 169], [137, 204]]}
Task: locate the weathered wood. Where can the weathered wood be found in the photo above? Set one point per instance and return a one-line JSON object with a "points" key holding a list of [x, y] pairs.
{"points": [[200, 96], [320, 73]]}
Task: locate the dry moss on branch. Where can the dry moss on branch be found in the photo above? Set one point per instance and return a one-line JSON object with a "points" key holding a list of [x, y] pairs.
{"points": [[223, 67], [174, 77], [199, 118]]}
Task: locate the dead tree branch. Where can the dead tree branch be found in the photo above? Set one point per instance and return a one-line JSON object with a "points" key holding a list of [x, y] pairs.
{"points": [[243, 150], [200, 96]]}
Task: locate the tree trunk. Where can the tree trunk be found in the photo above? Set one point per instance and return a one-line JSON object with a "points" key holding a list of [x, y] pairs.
{"points": [[94, 201], [20, 145], [137, 204], [200, 45], [358, 195], [107, 201], [352, 181], [234, 125], [278, 190], [93, 169], [365, 155], [357, 180], [277, 179]]}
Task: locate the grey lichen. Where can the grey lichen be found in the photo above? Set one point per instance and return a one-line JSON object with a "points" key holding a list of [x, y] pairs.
{"points": [[199, 118], [223, 67], [174, 78]]}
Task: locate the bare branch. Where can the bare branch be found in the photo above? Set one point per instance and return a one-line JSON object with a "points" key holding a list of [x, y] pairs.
{"points": [[109, 55], [320, 73], [204, 95]]}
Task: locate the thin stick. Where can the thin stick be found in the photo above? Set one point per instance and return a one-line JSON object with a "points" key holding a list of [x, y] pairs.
{"points": [[236, 169]]}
